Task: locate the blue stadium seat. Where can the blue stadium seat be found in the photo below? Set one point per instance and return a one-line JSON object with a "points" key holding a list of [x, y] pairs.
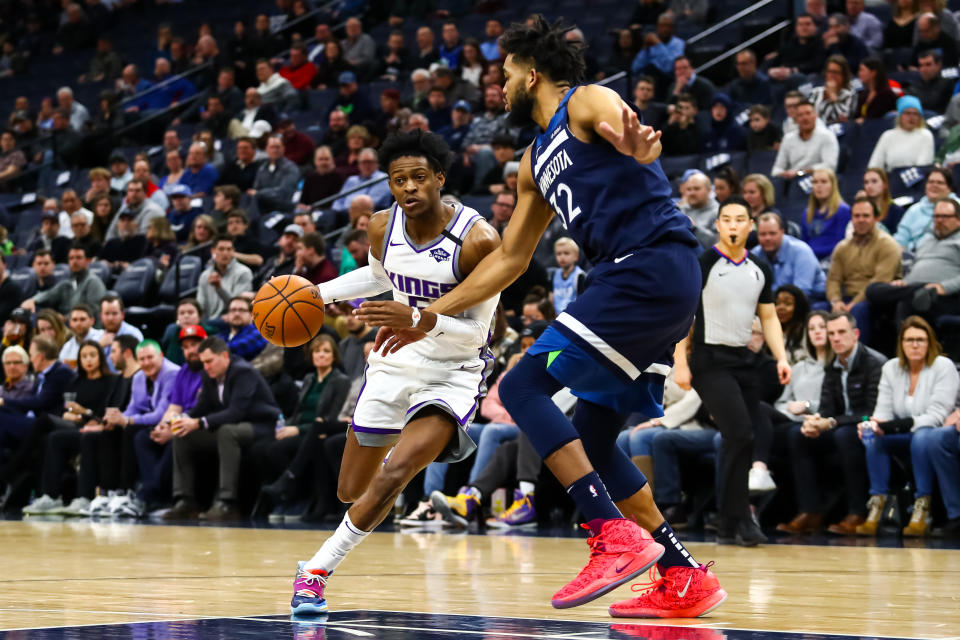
{"points": [[190, 269], [674, 166], [102, 271], [137, 283], [867, 137], [761, 161], [25, 279], [61, 272]]}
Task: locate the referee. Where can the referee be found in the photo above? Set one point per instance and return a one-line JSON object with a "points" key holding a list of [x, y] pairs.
{"points": [[736, 287]]}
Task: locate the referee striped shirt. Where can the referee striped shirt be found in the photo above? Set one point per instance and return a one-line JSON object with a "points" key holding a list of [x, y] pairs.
{"points": [[728, 303]]}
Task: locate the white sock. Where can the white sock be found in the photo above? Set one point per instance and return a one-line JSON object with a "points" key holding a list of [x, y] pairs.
{"points": [[473, 491], [526, 487], [337, 546]]}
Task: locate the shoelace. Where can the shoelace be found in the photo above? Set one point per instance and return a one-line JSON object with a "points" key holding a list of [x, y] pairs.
{"points": [[516, 506], [655, 583], [309, 577]]}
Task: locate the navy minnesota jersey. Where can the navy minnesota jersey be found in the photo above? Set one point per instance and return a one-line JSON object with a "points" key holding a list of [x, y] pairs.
{"points": [[608, 202]]}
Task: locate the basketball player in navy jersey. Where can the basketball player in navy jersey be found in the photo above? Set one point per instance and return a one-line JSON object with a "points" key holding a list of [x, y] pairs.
{"points": [[595, 165], [415, 405]]}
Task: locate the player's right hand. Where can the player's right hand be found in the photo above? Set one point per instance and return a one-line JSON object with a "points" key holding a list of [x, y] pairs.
{"points": [[392, 340]]}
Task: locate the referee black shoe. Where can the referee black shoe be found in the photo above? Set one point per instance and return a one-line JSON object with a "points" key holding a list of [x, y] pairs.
{"points": [[744, 532]]}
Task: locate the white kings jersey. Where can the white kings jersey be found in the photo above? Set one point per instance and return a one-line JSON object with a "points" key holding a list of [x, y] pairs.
{"points": [[421, 273]]}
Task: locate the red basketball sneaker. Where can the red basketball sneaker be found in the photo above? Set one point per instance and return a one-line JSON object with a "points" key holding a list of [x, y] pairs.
{"points": [[684, 592], [621, 551]]}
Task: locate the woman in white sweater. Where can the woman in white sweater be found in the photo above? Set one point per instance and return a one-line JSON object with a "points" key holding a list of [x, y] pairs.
{"points": [[917, 392], [909, 143]]}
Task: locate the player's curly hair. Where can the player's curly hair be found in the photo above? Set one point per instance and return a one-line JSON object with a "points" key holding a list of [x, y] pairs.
{"points": [[417, 144], [543, 45]]}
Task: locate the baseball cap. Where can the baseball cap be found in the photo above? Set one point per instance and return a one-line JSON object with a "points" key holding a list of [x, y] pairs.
{"points": [[126, 213], [464, 105], [116, 156], [347, 77], [180, 190], [534, 330], [295, 229], [192, 331]]}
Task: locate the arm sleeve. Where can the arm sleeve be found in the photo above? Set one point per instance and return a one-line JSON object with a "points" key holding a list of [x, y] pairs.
{"points": [[835, 276], [879, 151], [365, 282], [925, 153], [831, 153], [780, 164], [682, 411], [473, 328], [942, 398], [884, 406]]}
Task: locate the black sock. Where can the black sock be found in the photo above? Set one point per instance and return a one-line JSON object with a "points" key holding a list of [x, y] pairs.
{"points": [[675, 554], [592, 499]]}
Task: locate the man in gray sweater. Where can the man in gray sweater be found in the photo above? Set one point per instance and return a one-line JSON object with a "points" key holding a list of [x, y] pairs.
{"points": [[809, 147], [81, 286], [932, 287], [224, 279], [276, 180]]}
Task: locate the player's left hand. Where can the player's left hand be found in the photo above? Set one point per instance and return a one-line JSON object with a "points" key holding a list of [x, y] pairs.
{"points": [[392, 340], [395, 315], [637, 140], [783, 371]]}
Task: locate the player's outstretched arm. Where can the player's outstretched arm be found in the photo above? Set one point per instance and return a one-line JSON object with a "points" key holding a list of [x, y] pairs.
{"points": [[364, 282], [599, 111]]}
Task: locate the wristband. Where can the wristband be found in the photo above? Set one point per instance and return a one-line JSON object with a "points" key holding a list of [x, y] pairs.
{"points": [[414, 317]]}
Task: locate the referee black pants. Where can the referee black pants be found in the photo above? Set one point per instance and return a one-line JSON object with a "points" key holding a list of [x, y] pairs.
{"points": [[727, 384]]}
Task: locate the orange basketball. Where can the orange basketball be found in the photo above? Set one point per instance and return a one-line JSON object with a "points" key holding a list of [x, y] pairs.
{"points": [[288, 311]]}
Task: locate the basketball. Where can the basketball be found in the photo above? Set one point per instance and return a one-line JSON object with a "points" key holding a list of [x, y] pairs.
{"points": [[288, 311]]}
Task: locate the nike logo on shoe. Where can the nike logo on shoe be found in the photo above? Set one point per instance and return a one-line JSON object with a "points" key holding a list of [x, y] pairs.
{"points": [[621, 258], [681, 594], [622, 568]]}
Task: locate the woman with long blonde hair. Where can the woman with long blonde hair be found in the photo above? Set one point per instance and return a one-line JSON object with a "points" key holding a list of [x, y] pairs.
{"points": [[825, 222]]}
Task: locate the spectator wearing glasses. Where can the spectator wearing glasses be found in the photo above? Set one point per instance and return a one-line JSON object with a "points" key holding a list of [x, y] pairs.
{"points": [[238, 331], [918, 388], [917, 222], [932, 287]]}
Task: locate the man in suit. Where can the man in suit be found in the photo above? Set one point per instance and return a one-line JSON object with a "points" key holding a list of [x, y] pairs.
{"points": [[52, 379], [234, 409], [849, 392]]}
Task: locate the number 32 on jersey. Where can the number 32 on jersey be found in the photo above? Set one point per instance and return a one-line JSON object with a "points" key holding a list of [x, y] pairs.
{"points": [[566, 196]]}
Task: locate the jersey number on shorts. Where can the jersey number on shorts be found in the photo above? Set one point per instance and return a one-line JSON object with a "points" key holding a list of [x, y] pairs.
{"points": [[566, 217]]}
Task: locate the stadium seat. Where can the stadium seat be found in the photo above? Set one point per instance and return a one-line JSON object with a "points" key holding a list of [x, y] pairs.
{"points": [[761, 161], [102, 270], [137, 283], [908, 181], [190, 269], [25, 279], [60, 272], [674, 166]]}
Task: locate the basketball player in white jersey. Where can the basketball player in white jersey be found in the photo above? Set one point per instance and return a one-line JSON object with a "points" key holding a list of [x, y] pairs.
{"points": [[420, 401]]}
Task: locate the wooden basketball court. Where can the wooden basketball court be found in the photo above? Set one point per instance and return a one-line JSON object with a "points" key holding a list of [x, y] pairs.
{"points": [[78, 573]]}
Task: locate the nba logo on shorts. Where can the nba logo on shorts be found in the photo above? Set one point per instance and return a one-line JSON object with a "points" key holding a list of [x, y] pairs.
{"points": [[593, 492]]}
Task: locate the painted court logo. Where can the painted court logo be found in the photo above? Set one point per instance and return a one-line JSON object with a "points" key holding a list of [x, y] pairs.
{"points": [[440, 255]]}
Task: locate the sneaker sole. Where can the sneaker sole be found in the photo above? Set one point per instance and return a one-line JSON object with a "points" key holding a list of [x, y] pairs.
{"points": [[307, 608], [442, 507], [703, 607], [500, 524], [607, 588]]}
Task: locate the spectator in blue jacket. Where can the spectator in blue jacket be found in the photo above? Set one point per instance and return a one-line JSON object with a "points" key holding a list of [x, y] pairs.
{"points": [[199, 174], [238, 331], [827, 215], [660, 49], [792, 260], [917, 222]]}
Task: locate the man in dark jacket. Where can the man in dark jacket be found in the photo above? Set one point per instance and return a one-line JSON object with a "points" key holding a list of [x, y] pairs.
{"points": [[848, 394], [52, 379], [234, 409]]}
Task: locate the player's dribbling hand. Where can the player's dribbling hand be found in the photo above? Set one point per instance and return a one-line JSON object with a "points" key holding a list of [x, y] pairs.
{"points": [[637, 140]]}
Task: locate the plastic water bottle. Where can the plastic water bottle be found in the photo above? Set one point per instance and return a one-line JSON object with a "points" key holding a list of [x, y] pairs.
{"points": [[866, 431], [281, 423]]}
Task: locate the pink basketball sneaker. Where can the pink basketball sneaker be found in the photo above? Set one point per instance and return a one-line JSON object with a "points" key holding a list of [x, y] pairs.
{"points": [[683, 592], [621, 551]]}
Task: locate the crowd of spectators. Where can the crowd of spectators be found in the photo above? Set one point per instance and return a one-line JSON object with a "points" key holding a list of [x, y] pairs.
{"points": [[239, 170]]}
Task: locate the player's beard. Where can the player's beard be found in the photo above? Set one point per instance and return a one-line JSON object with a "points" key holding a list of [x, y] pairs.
{"points": [[521, 108]]}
